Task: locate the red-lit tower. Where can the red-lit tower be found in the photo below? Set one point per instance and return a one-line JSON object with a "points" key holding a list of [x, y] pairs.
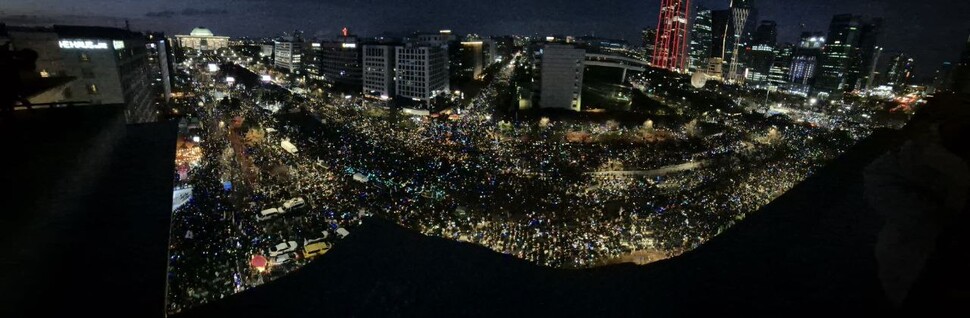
{"points": [[670, 49]]}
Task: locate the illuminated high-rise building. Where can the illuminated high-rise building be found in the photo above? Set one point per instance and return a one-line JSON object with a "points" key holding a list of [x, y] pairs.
{"points": [[700, 39], [761, 53], [900, 71], [670, 50], [288, 54], [561, 77], [805, 60], [739, 19], [849, 53], [421, 71], [781, 67], [649, 40], [340, 60], [378, 70]]}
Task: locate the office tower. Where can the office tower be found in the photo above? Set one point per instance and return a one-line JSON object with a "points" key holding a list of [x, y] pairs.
{"points": [[288, 54], [700, 39], [721, 27], [760, 58], [961, 75], [670, 51], [804, 64], [340, 60], [94, 65], [490, 50], [767, 33], [649, 42], [421, 71], [313, 61], [161, 62], [378, 70], [561, 76], [780, 68], [900, 71], [739, 19], [201, 39], [873, 74], [839, 51], [471, 60], [942, 79], [849, 51], [761, 54]]}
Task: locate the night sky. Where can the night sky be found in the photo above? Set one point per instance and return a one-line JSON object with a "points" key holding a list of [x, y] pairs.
{"points": [[933, 31]]}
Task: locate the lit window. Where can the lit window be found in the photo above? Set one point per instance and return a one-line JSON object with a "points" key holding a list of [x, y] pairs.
{"points": [[44, 73], [92, 89]]}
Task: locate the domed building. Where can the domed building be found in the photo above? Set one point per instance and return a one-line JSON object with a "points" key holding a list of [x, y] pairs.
{"points": [[203, 40]]}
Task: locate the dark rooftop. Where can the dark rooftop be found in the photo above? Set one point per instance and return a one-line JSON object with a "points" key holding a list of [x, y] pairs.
{"points": [[85, 213]]}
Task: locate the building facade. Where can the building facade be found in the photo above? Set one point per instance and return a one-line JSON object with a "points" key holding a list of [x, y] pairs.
{"points": [[421, 72], [378, 70], [761, 54], [805, 62], [900, 71], [781, 67], [561, 70], [161, 63], [942, 79], [848, 54], [340, 61], [471, 60], [288, 54], [700, 39], [201, 39], [649, 38], [103, 66], [670, 48]]}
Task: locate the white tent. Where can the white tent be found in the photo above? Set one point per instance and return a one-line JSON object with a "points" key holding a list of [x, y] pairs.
{"points": [[288, 146]]}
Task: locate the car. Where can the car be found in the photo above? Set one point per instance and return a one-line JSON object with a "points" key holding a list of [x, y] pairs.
{"points": [[294, 203], [269, 214], [342, 232], [282, 248], [319, 239], [283, 259], [314, 249]]}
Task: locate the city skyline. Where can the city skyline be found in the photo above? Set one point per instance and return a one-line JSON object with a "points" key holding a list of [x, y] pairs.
{"points": [[930, 31]]}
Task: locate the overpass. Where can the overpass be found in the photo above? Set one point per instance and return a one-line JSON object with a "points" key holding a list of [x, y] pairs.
{"points": [[625, 63], [653, 173]]}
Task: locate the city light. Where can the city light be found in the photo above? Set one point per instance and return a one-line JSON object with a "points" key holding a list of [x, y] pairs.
{"points": [[569, 151]]}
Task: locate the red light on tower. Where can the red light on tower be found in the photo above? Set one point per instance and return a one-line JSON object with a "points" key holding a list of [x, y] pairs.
{"points": [[345, 32], [670, 47]]}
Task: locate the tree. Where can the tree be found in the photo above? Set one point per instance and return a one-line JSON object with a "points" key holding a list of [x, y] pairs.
{"points": [[255, 136], [691, 129]]}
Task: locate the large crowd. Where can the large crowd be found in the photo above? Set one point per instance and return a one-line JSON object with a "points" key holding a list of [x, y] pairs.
{"points": [[518, 188]]}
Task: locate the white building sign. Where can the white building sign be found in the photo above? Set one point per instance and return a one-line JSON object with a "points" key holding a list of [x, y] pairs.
{"points": [[83, 44]]}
